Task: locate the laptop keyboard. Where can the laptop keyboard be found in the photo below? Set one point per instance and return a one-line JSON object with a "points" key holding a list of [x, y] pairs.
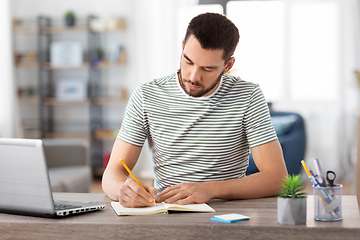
{"points": [[59, 206]]}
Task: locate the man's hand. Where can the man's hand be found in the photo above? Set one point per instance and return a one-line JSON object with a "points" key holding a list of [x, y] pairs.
{"points": [[132, 195], [185, 193]]}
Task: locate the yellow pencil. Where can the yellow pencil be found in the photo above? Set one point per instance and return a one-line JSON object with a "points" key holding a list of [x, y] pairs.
{"points": [[129, 171], [306, 168], [133, 176], [313, 181]]}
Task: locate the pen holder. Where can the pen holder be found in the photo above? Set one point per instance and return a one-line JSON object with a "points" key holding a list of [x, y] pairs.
{"points": [[327, 203]]}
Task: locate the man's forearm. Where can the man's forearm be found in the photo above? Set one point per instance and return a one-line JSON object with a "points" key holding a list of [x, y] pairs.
{"points": [[115, 175], [261, 184], [111, 183]]}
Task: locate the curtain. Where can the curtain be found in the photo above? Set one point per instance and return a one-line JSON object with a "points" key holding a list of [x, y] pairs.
{"points": [[10, 124], [350, 39]]}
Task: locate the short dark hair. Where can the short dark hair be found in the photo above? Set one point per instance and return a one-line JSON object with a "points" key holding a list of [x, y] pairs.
{"points": [[214, 31]]}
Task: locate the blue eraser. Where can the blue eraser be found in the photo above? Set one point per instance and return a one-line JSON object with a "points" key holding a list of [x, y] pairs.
{"points": [[229, 218]]}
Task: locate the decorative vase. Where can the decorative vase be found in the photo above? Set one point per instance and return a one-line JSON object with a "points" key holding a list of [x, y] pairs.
{"points": [[291, 211]]}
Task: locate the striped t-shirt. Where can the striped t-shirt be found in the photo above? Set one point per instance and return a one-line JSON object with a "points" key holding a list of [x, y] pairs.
{"points": [[197, 139]]}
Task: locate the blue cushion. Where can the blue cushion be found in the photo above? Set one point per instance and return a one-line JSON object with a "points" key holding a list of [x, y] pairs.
{"points": [[282, 124]]}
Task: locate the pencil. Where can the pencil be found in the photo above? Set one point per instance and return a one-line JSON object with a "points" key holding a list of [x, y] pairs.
{"points": [[313, 181], [132, 175], [306, 168]]}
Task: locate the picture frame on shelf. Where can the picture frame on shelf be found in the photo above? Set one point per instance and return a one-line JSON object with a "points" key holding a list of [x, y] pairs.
{"points": [[71, 89], [64, 53]]}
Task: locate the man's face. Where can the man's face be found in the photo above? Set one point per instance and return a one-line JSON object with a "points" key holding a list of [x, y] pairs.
{"points": [[201, 69]]}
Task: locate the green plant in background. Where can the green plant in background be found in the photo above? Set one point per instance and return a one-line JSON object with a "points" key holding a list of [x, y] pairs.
{"points": [[70, 18], [292, 187], [70, 15], [100, 53]]}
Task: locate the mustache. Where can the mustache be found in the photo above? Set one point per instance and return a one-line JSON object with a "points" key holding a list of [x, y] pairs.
{"points": [[197, 84]]}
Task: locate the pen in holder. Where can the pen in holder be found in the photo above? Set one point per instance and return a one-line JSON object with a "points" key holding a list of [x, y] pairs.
{"points": [[327, 203]]}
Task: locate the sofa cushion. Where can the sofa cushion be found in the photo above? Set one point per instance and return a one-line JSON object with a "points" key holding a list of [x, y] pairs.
{"points": [[70, 179], [282, 124], [290, 128]]}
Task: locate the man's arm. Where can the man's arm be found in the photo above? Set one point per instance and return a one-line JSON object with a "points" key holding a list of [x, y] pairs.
{"points": [[272, 170], [115, 181]]}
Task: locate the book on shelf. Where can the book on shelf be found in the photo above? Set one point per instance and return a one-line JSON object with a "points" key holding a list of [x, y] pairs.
{"points": [[160, 208]]}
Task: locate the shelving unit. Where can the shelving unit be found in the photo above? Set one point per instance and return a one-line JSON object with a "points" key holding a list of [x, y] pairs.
{"points": [[26, 65], [45, 99]]}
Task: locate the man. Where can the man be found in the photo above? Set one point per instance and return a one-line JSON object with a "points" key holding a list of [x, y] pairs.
{"points": [[200, 124]]}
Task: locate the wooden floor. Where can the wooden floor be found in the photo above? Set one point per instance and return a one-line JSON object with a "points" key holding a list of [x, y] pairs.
{"points": [[96, 186]]}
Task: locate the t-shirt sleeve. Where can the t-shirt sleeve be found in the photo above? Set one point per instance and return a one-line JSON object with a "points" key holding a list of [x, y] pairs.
{"points": [[133, 129], [259, 128]]}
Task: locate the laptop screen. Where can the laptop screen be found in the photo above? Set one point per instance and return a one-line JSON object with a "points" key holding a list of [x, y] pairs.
{"points": [[24, 180]]}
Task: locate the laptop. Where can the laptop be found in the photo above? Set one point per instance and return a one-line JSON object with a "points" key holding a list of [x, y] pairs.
{"points": [[24, 182]]}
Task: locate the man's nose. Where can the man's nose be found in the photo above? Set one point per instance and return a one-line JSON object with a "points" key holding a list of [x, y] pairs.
{"points": [[195, 74]]}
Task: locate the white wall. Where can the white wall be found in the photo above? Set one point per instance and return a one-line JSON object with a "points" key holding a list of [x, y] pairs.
{"points": [[6, 69]]}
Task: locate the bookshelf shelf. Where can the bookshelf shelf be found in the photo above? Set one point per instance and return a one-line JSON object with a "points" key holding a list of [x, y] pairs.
{"points": [[57, 102], [25, 30], [64, 30], [29, 100], [85, 136]]}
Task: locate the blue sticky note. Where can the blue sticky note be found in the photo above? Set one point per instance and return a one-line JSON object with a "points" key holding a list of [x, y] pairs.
{"points": [[229, 218]]}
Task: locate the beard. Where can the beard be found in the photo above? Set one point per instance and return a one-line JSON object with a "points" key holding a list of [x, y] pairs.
{"points": [[202, 91]]}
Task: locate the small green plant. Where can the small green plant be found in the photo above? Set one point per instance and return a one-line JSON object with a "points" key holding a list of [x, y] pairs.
{"points": [[70, 15], [70, 18], [292, 187]]}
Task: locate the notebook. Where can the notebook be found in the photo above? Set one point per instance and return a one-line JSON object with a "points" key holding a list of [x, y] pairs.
{"points": [[160, 208], [25, 185]]}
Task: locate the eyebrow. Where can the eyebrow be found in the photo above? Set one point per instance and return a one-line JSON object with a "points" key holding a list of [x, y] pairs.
{"points": [[209, 67]]}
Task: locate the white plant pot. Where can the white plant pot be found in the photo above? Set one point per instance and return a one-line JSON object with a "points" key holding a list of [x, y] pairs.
{"points": [[291, 211]]}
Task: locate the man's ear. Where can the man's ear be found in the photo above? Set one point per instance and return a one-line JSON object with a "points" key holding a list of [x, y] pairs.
{"points": [[229, 64], [183, 44]]}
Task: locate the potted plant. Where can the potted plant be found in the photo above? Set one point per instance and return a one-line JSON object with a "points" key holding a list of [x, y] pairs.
{"points": [[291, 202], [70, 18]]}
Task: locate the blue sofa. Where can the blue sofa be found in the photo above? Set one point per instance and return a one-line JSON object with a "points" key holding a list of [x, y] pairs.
{"points": [[290, 129]]}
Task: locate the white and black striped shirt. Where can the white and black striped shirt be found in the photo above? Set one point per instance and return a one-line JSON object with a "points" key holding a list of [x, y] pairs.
{"points": [[197, 139]]}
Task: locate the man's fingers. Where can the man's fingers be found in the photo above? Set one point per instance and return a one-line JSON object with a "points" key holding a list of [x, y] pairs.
{"points": [[131, 194], [175, 195], [138, 190], [153, 191], [128, 198], [126, 201], [168, 193], [163, 197], [187, 200], [185, 193]]}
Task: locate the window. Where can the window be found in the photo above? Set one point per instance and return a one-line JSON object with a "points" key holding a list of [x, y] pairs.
{"points": [[313, 46], [290, 49], [259, 57]]}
